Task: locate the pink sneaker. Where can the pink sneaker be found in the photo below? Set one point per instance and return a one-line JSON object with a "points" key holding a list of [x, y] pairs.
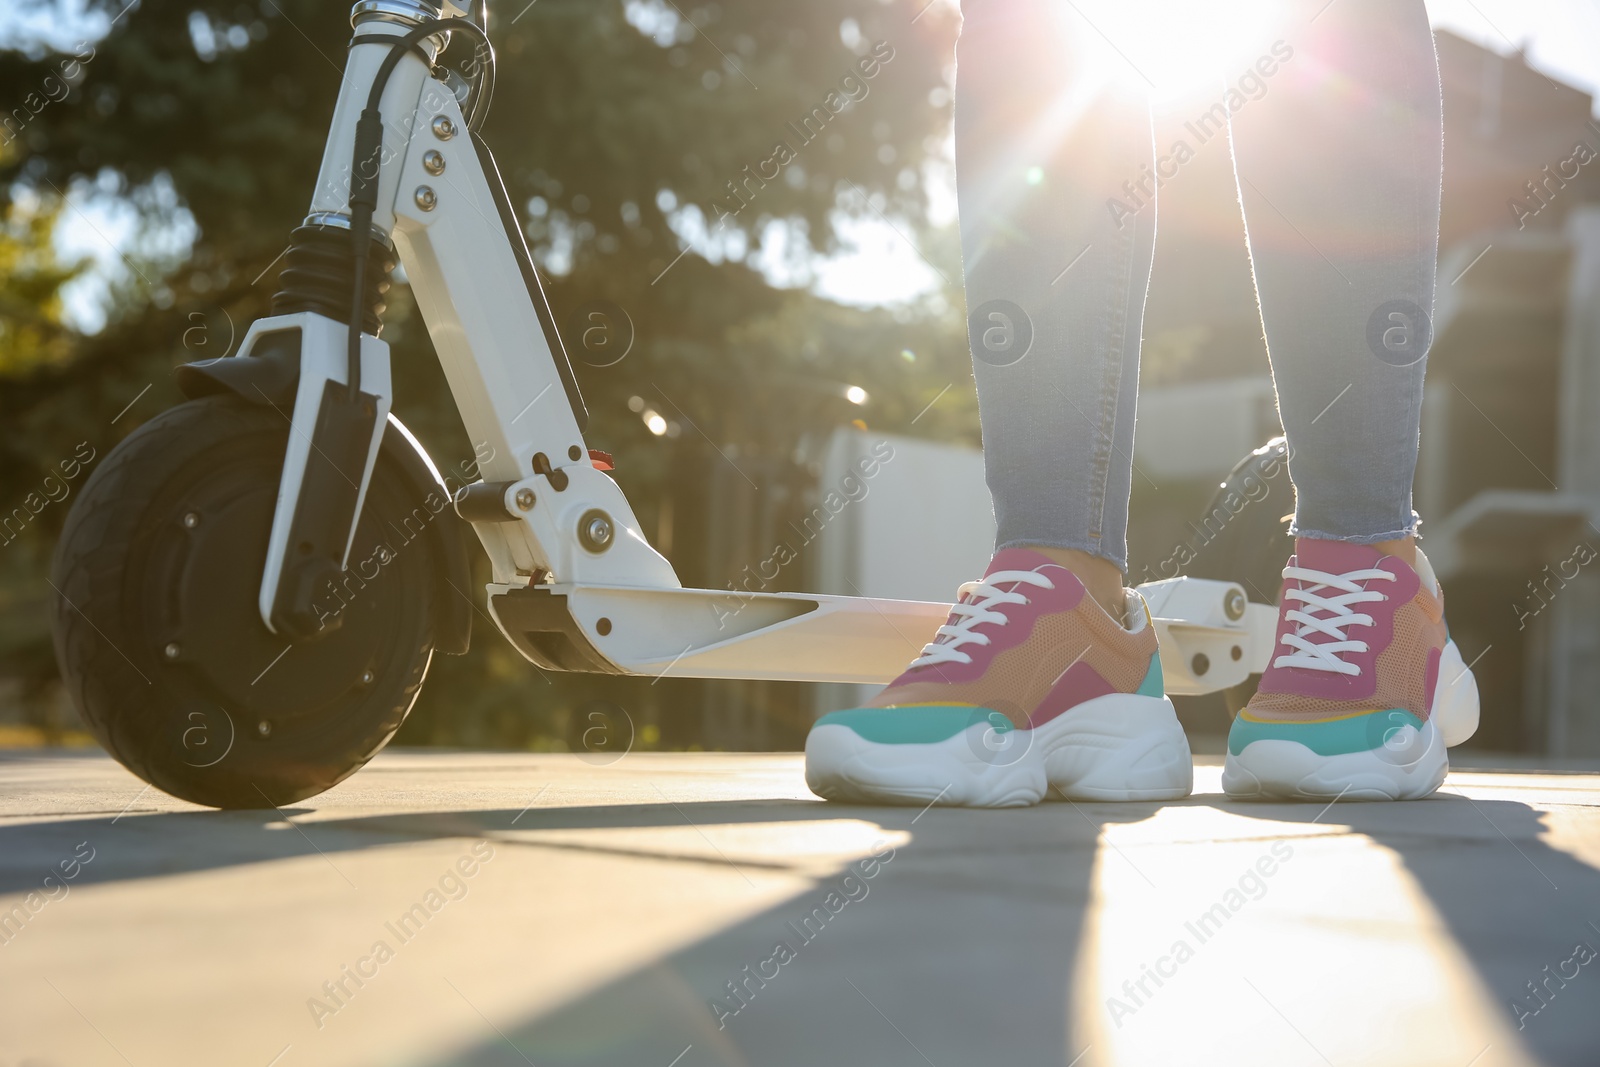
{"points": [[1366, 690], [1029, 685]]}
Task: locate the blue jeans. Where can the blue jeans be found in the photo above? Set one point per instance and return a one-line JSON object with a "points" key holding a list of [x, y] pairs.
{"points": [[1334, 125]]}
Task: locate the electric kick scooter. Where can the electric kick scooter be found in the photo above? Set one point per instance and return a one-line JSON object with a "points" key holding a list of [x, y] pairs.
{"points": [[251, 586]]}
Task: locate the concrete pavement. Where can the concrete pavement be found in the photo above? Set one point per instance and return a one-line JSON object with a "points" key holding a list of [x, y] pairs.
{"points": [[680, 910]]}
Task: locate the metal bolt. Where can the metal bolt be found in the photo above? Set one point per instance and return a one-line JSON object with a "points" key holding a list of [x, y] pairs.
{"points": [[1201, 663], [443, 128], [1233, 604], [191, 520], [595, 530], [425, 197], [367, 677], [433, 161], [173, 650], [264, 728], [525, 499]]}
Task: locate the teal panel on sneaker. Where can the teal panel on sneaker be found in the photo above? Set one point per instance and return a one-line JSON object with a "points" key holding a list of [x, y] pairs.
{"points": [[1154, 684], [1329, 737], [915, 724]]}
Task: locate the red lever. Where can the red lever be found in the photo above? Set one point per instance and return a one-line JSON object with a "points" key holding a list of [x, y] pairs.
{"points": [[602, 460]]}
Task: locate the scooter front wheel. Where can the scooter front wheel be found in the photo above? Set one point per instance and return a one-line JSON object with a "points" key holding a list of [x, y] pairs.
{"points": [[159, 639]]}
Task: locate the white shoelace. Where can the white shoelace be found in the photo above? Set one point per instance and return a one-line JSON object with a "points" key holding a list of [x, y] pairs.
{"points": [[1329, 616], [985, 595]]}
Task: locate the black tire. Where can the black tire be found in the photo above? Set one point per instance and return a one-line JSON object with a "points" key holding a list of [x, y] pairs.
{"points": [[157, 633], [1243, 536]]}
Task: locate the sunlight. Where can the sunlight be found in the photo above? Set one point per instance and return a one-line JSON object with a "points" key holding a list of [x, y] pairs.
{"points": [[1187, 47]]}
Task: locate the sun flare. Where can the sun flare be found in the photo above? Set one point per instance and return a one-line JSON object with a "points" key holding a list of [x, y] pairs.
{"points": [[1179, 48]]}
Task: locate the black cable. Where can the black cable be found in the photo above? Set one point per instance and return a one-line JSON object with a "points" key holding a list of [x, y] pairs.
{"points": [[483, 67], [365, 164]]}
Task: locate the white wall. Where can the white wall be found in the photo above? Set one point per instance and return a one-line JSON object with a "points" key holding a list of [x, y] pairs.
{"points": [[923, 526]]}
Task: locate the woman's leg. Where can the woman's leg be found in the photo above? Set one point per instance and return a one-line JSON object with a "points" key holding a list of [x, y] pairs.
{"points": [[1338, 170], [1046, 133], [1045, 676]]}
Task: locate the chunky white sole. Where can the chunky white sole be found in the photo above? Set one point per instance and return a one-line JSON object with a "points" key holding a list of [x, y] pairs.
{"points": [[1409, 765], [1122, 746]]}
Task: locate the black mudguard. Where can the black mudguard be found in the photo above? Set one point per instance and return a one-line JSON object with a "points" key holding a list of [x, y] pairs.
{"points": [[270, 375]]}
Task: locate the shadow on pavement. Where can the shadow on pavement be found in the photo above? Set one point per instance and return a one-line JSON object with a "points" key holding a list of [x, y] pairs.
{"points": [[916, 971], [996, 922], [973, 891], [1516, 915], [963, 914]]}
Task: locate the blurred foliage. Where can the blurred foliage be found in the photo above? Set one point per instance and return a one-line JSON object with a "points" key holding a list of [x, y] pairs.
{"points": [[32, 335], [612, 123]]}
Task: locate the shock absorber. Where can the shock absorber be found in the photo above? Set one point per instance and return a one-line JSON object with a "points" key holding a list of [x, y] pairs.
{"points": [[318, 273]]}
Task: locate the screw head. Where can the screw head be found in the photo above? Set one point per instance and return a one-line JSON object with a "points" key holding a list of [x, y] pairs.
{"points": [[173, 650], [425, 197], [264, 728], [443, 128], [525, 499], [1200, 664], [367, 677], [433, 161], [1233, 604], [595, 530], [191, 520]]}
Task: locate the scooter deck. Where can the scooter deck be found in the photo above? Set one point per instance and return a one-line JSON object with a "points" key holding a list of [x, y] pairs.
{"points": [[812, 637]]}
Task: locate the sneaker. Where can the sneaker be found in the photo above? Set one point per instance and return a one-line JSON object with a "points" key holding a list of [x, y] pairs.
{"points": [[1028, 685], [1367, 690]]}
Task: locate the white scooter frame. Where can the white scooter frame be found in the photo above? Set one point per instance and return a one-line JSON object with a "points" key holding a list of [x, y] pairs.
{"points": [[575, 583]]}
